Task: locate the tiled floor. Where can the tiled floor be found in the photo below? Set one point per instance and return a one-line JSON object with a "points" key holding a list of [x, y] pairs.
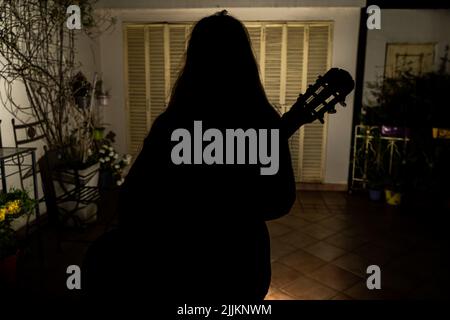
{"points": [[322, 249]]}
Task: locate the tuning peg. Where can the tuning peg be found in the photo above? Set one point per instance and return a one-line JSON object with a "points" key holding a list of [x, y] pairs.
{"points": [[342, 103], [321, 120], [332, 110]]}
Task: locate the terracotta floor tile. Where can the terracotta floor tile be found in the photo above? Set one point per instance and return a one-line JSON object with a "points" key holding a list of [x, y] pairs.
{"points": [[334, 277], [283, 275], [302, 261], [308, 289], [279, 249], [294, 222], [345, 242], [276, 294], [353, 263], [325, 251], [335, 224], [314, 216], [298, 239], [277, 229], [318, 232]]}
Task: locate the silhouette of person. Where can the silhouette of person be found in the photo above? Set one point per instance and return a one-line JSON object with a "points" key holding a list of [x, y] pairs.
{"points": [[197, 232]]}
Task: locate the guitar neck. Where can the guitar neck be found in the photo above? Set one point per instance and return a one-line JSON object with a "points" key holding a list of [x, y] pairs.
{"points": [[319, 98]]}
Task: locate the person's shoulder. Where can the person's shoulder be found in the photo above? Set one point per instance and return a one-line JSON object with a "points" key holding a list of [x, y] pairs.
{"points": [[162, 119], [160, 127], [268, 116]]}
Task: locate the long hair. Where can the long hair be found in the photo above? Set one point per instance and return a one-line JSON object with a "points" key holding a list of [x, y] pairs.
{"points": [[220, 70]]}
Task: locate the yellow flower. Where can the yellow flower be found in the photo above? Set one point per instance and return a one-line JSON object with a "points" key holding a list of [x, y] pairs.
{"points": [[13, 207], [2, 214]]}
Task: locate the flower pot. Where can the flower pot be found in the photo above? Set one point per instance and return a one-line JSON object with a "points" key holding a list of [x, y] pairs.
{"points": [[397, 132], [8, 270], [439, 133], [375, 195], [393, 198]]}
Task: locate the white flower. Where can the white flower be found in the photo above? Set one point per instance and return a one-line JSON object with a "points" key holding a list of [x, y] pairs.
{"points": [[105, 146], [111, 149], [127, 159], [116, 156], [119, 182], [102, 151], [111, 154], [117, 166], [89, 152], [102, 160], [107, 159]]}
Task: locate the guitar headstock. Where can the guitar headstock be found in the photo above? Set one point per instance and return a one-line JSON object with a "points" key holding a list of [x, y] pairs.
{"points": [[329, 89]]}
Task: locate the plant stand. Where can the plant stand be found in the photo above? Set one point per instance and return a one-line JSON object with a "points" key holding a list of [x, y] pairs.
{"points": [[84, 212], [365, 148]]}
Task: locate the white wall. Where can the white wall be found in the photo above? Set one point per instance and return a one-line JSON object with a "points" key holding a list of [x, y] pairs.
{"points": [[405, 26], [88, 55], [345, 36]]}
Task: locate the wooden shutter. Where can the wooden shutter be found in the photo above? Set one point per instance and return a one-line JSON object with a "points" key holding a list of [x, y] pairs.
{"points": [[294, 83], [157, 71], [314, 134], [254, 33], [177, 39], [136, 86], [154, 57], [272, 67], [290, 56]]}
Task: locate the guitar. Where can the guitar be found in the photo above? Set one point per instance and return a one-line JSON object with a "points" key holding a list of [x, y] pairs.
{"points": [[320, 97]]}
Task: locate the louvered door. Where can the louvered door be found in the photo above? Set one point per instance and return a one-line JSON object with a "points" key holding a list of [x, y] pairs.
{"points": [[157, 48], [136, 77], [290, 56], [294, 84], [154, 57], [313, 135]]}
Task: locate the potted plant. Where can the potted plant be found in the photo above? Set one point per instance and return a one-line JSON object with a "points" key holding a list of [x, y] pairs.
{"points": [[393, 191], [13, 204], [414, 106]]}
